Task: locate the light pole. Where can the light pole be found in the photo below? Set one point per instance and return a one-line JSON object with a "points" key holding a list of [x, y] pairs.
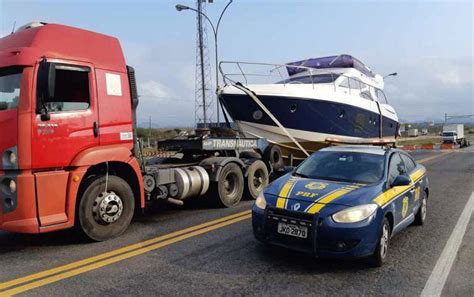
{"points": [[215, 30], [391, 74]]}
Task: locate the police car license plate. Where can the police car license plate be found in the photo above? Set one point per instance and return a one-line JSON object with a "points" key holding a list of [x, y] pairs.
{"points": [[292, 230]]}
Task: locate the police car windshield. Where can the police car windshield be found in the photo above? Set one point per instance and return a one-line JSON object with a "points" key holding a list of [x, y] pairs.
{"points": [[343, 166]]}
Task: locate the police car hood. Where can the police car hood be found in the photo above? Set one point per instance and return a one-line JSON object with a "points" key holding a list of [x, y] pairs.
{"points": [[289, 189]]}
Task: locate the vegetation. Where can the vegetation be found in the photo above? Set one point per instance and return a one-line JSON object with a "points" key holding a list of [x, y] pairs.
{"points": [[156, 134]]}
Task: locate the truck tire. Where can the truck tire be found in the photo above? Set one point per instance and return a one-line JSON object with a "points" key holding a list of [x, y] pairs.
{"points": [[229, 188], [273, 156], [257, 179], [250, 155], [105, 213]]}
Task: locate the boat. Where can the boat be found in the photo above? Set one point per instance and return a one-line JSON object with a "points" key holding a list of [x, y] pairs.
{"points": [[309, 103]]}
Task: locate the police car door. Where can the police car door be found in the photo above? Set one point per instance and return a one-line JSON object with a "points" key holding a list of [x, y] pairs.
{"points": [[403, 202], [415, 191]]}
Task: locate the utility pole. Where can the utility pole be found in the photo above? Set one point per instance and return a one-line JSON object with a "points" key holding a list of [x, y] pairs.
{"points": [[149, 131], [203, 98], [465, 116], [201, 59], [204, 58]]}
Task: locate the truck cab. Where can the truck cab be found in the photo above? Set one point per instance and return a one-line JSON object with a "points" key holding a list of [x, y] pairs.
{"points": [[67, 102], [68, 151], [449, 137]]}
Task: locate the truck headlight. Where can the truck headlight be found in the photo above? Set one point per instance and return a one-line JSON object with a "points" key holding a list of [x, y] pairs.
{"points": [[355, 214], [261, 202], [9, 157], [12, 186], [8, 186]]}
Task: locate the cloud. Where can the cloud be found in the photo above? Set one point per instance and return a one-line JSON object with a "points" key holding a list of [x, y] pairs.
{"points": [[154, 90], [428, 87]]}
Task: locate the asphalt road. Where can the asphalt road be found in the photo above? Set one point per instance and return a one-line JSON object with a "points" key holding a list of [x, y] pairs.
{"points": [[224, 259]]}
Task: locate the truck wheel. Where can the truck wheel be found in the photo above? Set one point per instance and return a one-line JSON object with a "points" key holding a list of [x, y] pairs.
{"points": [[105, 213], [274, 156], [250, 155], [380, 255], [229, 188], [257, 179]]}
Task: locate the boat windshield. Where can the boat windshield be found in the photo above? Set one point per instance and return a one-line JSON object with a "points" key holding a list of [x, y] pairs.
{"points": [[10, 79], [311, 79], [353, 167]]}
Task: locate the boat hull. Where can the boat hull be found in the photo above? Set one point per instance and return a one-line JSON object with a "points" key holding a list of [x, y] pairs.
{"points": [[309, 121]]}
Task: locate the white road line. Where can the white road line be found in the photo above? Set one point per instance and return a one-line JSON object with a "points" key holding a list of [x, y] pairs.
{"points": [[434, 285]]}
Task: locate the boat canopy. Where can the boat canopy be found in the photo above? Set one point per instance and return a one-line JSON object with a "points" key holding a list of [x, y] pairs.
{"points": [[341, 61]]}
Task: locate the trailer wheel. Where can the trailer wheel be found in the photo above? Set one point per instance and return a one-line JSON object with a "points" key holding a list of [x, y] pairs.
{"points": [[257, 179], [105, 213], [250, 155], [274, 156], [229, 188]]}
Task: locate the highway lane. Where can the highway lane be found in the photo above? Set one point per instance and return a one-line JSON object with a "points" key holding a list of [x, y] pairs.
{"points": [[229, 261]]}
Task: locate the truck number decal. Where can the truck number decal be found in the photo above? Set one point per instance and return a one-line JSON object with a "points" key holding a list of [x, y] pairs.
{"points": [[113, 84], [126, 136]]}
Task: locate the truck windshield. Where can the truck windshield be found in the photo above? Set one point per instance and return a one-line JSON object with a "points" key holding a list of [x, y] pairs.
{"points": [[352, 167], [10, 79], [449, 133]]}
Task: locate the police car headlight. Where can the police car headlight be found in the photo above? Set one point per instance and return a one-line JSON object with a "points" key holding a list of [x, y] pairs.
{"points": [[261, 202], [355, 214]]}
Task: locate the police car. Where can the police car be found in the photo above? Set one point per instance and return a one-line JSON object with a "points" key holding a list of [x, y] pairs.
{"points": [[343, 201]]}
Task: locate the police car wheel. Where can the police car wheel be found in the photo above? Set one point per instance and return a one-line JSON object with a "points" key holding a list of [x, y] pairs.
{"points": [[380, 255], [420, 216]]}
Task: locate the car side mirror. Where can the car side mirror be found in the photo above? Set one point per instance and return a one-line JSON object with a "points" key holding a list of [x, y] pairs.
{"points": [[401, 180]]}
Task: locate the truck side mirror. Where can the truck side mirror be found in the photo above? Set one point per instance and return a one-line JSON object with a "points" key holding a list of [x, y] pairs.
{"points": [[401, 180], [46, 86]]}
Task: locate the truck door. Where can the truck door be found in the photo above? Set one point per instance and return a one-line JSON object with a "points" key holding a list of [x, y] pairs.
{"points": [[65, 123]]}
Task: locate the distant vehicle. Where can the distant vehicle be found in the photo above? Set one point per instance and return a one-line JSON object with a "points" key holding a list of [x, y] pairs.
{"points": [[424, 132], [313, 99], [413, 133], [343, 201], [454, 133]]}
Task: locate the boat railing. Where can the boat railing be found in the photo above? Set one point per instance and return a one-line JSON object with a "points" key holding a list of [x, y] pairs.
{"points": [[278, 72]]}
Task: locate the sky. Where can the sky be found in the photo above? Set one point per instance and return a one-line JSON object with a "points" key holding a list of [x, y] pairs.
{"points": [[428, 43]]}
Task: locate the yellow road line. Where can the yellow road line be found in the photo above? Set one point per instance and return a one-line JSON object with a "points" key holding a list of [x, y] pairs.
{"points": [[126, 250], [66, 271], [121, 257], [432, 158]]}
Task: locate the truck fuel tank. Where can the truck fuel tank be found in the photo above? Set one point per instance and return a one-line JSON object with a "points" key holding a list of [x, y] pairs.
{"points": [[191, 181]]}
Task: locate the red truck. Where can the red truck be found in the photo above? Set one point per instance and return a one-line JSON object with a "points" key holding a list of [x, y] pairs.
{"points": [[68, 150]]}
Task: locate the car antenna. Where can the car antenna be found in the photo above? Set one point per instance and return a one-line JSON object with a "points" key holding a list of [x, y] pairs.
{"points": [[13, 29]]}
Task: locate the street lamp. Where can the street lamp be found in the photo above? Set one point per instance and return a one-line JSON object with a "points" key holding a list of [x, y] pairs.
{"points": [[391, 74], [215, 30]]}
